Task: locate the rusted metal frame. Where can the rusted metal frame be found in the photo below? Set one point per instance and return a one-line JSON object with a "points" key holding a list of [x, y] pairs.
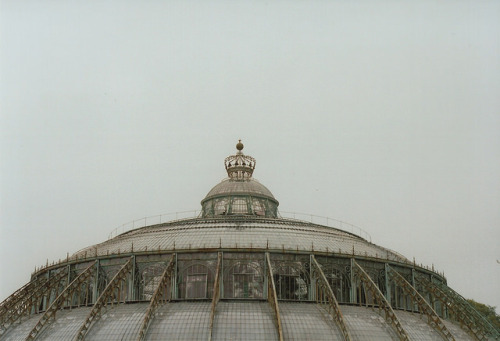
{"points": [[50, 313], [156, 298], [432, 318], [13, 300], [216, 297], [46, 289], [26, 303], [19, 295], [102, 301], [334, 308], [272, 298], [466, 317], [473, 313], [382, 302]]}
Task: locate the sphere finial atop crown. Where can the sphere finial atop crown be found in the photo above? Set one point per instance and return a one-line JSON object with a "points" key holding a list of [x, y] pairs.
{"points": [[239, 166], [239, 145]]}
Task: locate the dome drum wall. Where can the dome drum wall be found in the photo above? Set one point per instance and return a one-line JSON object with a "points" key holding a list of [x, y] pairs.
{"points": [[243, 277], [239, 205], [292, 267]]}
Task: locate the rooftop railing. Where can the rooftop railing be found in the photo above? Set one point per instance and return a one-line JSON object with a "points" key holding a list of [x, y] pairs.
{"points": [[172, 217], [153, 220], [330, 222]]}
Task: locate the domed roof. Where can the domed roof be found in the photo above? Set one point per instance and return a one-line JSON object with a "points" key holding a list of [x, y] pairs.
{"points": [[238, 271], [239, 194], [236, 187]]}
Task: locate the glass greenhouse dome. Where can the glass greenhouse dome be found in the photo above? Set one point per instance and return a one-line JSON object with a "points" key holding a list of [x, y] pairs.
{"points": [[239, 271]]}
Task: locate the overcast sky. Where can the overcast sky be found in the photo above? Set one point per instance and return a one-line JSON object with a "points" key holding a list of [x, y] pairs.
{"points": [[384, 114]]}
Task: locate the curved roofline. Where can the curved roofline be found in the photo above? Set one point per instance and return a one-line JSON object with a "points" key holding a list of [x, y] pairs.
{"points": [[242, 193], [246, 219]]}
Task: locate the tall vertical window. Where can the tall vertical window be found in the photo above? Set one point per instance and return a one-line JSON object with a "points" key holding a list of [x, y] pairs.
{"points": [[243, 278], [291, 276], [195, 275]]}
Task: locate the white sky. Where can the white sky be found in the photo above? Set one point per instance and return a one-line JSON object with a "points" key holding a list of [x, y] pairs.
{"points": [[385, 114]]}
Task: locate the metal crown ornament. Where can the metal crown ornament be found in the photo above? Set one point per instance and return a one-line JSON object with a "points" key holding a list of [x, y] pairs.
{"points": [[239, 166]]}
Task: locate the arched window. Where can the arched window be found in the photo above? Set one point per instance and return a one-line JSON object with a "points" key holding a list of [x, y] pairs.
{"points": [[291, 277], [243, 279], [195, 281]]}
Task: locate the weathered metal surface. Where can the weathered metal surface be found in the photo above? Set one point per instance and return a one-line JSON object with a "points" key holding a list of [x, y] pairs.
{"points": [[215, 298], [383, 304], [272, 298], [156, 298], [239, 233], [50, 313], [30, 299], [107, 295], [470, 320], [432, 318], [333, 306], [7, 307], [19, 295]]}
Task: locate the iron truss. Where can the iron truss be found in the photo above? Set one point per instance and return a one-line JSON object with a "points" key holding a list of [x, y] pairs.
{"points": [[470, 320], [382, 302], [325, 295], [156, 300]]}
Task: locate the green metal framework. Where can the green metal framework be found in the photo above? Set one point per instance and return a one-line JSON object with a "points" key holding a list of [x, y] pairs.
{"points": [[156, 299], [29, 300], [324, 293], [50, 313], [432, 318], [383, 304], [109, 294], [272, 298], [367, 284], [7, 307], [460, 310], [216, 297]]}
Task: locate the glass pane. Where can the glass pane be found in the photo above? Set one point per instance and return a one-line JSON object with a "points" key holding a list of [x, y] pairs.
{"points": [[239, 206], [196, 286]]}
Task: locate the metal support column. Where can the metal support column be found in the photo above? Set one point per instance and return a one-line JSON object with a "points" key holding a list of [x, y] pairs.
{"points": [[95, 291], [333, 306], [387, 285], [382, 302], [432, 318], [272, 298], [352, 293], [156, 298], [107, 295], [216, 296], [50, 313], [131, 287]]}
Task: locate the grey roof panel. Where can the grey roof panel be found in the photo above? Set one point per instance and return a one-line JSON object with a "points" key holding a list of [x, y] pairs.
{"points": [[416, 326], [66, 325], [181, 321], [305, 321], [119, 322], [366, 324], [270, 234], [244, 320], [236, 187]]}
